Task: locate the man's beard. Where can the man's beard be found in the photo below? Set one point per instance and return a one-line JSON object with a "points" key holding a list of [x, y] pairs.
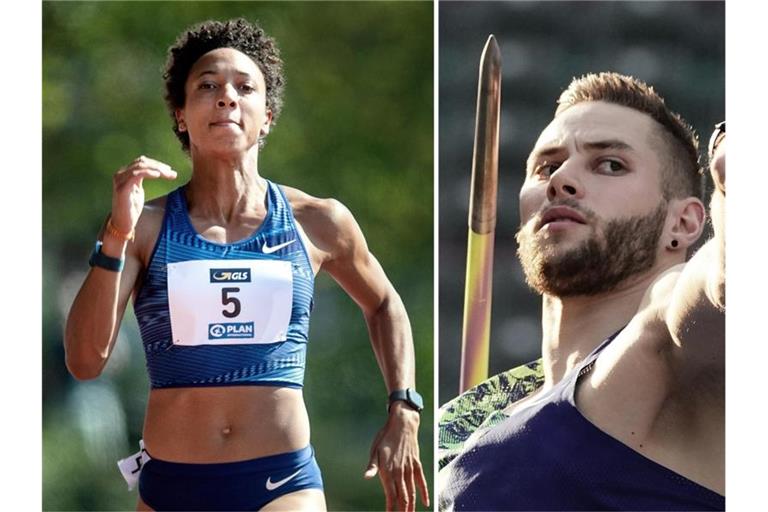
{"points": [[600, 263]]}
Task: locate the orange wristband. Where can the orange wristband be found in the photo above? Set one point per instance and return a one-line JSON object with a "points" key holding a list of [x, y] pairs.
{"points": [[126, 237]]}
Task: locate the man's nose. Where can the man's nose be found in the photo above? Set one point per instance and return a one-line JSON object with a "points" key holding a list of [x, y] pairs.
{"points": [[565, 183]]}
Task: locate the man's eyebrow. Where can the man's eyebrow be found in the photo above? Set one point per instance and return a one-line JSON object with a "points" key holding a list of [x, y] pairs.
{"points": [[616, 144]]}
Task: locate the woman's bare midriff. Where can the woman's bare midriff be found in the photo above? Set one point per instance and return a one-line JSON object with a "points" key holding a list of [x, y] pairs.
{"points": [[224, 424]]}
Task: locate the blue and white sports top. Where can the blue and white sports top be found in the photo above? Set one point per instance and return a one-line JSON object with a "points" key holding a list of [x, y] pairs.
{"points": [[215, 314]]}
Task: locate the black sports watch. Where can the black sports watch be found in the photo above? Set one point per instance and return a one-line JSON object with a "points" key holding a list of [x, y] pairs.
{"points": [[101, 260], [408, 395]]}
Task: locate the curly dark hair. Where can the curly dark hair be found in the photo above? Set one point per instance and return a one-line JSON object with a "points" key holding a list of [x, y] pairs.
{"points": [[682, 172], [239, 34]]}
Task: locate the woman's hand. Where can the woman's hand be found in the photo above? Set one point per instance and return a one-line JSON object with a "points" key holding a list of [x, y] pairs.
{"points": [[395, 457], [128, 190]]}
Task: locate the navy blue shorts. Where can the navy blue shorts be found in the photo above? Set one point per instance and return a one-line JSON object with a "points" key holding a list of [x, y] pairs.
{"points": [[242, 485]]}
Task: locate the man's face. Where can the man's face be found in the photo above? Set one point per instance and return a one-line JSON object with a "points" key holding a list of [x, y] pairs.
{"points": [[591, 207]]}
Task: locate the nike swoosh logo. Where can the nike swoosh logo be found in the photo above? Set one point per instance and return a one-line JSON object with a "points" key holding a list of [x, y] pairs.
{"points": [[271, 486], [269, 250]]}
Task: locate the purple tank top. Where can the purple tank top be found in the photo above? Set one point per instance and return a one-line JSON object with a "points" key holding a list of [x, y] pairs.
{"points": [[550, 457]]}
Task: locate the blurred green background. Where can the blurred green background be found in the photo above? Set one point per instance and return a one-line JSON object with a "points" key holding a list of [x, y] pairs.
{"points": [[357, 126]]}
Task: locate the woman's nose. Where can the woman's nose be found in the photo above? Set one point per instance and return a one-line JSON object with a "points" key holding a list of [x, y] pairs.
{"points": [[228, 97]]}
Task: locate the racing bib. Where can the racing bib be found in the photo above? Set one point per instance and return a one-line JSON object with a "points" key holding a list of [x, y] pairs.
{"points": [[228, 302]]}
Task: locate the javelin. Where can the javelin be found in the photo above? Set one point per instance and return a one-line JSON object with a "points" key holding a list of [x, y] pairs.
{"points": [[482, 221]]}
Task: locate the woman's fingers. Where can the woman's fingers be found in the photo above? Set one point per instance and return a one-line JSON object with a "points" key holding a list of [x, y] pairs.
{"points": [[128, 192], [421, 482], [142, 168]]}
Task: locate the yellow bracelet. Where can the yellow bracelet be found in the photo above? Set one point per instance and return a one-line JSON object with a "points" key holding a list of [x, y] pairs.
{"points": [[127, 237]]}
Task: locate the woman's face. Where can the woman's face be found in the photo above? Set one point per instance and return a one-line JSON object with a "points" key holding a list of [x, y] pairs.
{"points": [[225, 109]]}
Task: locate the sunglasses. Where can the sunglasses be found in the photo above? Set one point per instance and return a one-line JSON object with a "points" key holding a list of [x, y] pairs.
{"points": [[717, 136]]}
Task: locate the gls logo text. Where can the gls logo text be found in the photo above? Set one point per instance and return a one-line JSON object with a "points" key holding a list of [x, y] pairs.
{"points": [[230, 275]]}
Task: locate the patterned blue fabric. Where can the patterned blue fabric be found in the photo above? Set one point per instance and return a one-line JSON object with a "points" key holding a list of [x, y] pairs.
{"points": [[170, 365]]}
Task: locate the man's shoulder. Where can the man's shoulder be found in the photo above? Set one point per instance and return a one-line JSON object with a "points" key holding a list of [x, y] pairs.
{"points": [[482, 406]]}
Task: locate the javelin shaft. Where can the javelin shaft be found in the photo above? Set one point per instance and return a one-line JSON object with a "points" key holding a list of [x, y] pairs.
{"points": [[482, 221]]}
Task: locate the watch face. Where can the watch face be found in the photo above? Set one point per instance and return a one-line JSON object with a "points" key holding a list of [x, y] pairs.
{"points": [[415, 398]]}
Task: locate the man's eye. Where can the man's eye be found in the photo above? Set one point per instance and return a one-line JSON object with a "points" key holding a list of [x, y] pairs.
{"points": [[610, 166], [546, 169]]}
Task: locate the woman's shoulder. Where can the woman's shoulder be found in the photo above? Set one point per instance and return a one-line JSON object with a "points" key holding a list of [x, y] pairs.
{"points": [[310, 208], [329, 224]]}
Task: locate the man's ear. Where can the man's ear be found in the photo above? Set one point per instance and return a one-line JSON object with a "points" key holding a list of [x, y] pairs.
{"points": [[686, 223]]}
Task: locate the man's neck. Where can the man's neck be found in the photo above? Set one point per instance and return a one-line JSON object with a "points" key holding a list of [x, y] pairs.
{"points": [[574, 326]]}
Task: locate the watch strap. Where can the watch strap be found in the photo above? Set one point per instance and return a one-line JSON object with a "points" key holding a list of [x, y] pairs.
{"points": [[101, 260], [409, 396], [398, 394]]}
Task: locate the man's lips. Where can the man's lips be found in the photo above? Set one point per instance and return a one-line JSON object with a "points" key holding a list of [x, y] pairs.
{"points": [[560, 214]]}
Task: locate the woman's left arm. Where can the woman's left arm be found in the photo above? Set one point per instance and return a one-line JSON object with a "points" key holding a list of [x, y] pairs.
{"points": [[395, 451]]}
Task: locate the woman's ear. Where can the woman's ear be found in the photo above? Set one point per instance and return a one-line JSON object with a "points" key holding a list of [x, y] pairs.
{"points": [[179, 113]]}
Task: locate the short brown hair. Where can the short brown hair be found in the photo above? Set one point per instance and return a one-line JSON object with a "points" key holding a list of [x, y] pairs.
{"points": [[682, 173]]}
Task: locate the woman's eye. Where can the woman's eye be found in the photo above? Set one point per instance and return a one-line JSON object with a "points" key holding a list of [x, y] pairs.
{"points": [[207, 85], [246, 88]]}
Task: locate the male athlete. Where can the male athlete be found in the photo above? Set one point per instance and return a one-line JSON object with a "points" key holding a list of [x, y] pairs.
{"points": [[625, 410]]}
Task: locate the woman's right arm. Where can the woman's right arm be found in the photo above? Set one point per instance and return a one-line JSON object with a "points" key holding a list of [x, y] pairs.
{"points": [[95, 316]]}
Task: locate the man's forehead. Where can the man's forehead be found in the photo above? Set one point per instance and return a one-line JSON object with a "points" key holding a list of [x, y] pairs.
{"points": [[597, 120]]}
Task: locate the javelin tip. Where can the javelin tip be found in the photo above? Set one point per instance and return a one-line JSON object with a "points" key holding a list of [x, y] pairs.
{"points": [[482, 204], [491, 51]]}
